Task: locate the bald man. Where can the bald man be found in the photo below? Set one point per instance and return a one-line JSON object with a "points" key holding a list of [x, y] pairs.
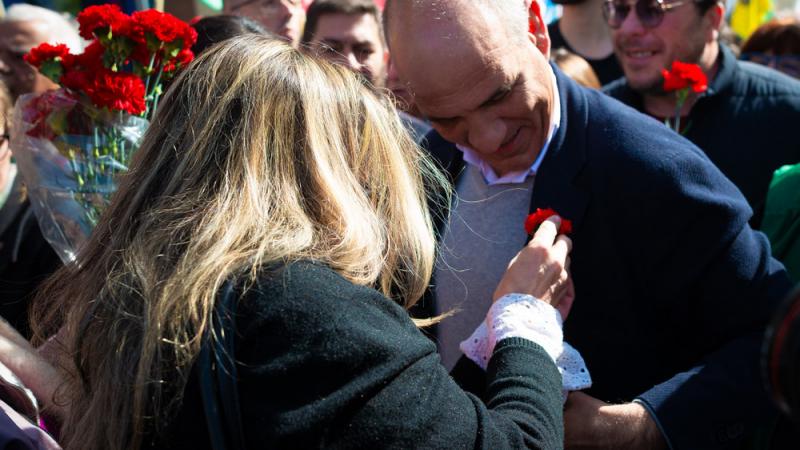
{"points": [[674, 288]]}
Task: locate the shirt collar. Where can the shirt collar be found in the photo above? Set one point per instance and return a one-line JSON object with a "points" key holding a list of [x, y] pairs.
{"points": [[473, 158], [727, 64]]}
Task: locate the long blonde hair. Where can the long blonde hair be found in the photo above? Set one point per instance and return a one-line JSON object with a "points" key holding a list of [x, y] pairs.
{"points": [[259, 154]]}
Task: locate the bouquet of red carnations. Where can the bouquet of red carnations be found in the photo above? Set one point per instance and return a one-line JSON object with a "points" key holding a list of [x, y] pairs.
{"points": [[70, 144]]}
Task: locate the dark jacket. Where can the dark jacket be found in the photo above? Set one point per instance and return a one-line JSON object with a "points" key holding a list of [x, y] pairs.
{"points": [[26, 259], [746, 123], [673, 287], [324, 363]]}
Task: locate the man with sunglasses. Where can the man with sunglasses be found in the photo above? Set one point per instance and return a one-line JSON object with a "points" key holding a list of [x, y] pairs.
{"points": [[746, 121], [674, 289]]}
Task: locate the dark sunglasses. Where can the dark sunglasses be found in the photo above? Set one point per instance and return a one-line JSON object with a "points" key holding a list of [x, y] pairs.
{"points": [[649, 12]]}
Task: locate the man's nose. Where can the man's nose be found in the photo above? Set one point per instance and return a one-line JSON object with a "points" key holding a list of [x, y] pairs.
{"points": [[631, 24], [485, 134], [350, 60]]}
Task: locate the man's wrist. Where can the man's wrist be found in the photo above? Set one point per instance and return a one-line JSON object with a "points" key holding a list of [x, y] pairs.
{"points": [[636, 427]]}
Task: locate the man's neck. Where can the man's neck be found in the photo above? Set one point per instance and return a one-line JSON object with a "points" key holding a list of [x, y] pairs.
{"points": [[664, 104], [586, 31]]}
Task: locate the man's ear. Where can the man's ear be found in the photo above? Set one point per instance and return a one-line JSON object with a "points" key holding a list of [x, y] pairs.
{"points": [[716, 16], [537, 30]]}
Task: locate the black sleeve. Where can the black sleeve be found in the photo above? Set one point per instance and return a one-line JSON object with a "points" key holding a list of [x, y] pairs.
{"points": [[343, 367]]}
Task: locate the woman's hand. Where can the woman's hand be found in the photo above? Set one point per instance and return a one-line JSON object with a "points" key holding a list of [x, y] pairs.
{"points": [[540, 269]]}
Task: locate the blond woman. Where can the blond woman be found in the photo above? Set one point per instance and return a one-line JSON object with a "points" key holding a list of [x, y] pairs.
{"points": [[286, 179]]}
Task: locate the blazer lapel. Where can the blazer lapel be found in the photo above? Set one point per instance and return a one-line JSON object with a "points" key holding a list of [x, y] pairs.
{"points": [[559, 184]]}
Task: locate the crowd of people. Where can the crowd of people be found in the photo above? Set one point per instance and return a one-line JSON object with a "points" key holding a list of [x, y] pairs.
{"points": [[322, 239]]}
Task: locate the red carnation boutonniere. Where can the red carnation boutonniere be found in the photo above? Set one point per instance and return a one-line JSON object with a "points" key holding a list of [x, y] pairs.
{"points": [[683, 79], [533, 221]]}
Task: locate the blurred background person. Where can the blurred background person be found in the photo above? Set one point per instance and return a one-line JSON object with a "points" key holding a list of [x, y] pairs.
{"points": [[215, 29], [576, 68], [348, 32], [26, 258], [782, 218], [730, 39], [775, 44], [745, 122], [781, 371], [582, 30], [24, 27], [284, 18]]}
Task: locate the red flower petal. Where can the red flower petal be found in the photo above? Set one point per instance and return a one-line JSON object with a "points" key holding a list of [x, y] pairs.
{"points": [[164, 27], [684, 75], [535, 219], [118, 91], [46, 52], [103, 17]]}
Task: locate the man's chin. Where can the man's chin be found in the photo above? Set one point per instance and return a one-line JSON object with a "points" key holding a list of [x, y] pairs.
{"points": [[647, 87]]}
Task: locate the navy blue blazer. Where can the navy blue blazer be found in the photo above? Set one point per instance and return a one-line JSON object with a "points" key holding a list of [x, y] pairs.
{"points": [[674, 289]]}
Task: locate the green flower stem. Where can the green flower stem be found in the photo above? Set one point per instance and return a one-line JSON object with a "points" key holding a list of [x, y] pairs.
{"points": [[682, 95], [149, 73], [156, 94]]}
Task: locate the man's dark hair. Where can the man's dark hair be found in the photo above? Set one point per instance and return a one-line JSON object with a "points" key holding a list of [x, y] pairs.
{"points": [[705, 5], [215, 29], [348, 7]]}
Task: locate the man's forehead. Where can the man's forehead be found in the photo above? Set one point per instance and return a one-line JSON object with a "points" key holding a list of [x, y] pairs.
{"points": [[437, 66], [450, 91], [358, 27], [450, 50], [436, 32]]}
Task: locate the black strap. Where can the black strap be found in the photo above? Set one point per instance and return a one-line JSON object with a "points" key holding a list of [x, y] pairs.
{"points": [[217, 376]]}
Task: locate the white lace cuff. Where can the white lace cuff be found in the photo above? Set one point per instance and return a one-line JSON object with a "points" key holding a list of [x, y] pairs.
{"points": [[523, 316]]}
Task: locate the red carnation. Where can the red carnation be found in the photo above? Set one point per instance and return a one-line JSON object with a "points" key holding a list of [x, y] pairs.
{"points": [[46, 52], [104, 18], [117, 91], [533, 221], [683, 76], [91, 58], [163, 27], [184, 57]]}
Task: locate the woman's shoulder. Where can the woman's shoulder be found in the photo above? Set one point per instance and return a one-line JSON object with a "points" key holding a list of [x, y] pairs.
{"points": [[304, 295], [303, 281], [303, 317]]}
